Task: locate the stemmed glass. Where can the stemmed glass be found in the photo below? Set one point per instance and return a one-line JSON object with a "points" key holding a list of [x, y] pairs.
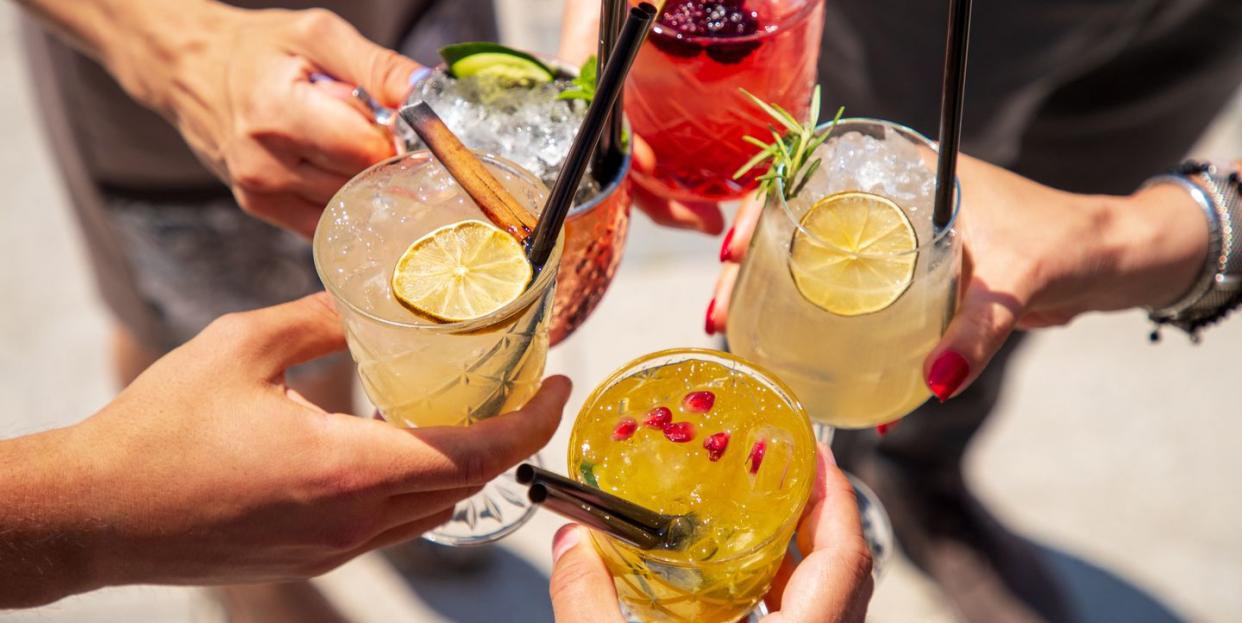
{"points": [[418, 372], [851, 370]]}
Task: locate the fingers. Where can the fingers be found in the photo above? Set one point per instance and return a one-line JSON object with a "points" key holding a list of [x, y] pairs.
{"points": [[699, 216], [581, 587], [341, 51], [335, 134], [403, 532], [282, 209], [735, 243], [409, 507], [718, 309], [276, 338], [983, 322], [833, 582], [427, 459]]}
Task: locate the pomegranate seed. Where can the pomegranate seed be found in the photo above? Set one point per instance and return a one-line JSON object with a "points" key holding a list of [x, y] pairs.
{"points": [[679, 432], [883, 429], [756, 456], [625, 429], [716, 445], [698, 402], [658, 417]]}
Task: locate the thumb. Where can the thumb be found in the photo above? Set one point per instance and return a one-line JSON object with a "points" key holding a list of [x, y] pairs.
{"points": [[341, 51], [276, 338], [983, 321], [581, 588]]}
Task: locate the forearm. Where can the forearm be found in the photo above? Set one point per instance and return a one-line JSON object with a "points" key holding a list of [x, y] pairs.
{"points": [[138, 41], [45, 543]]}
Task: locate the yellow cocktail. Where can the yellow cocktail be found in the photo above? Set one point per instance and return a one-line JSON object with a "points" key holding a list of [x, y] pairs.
{"points": [[417, 371], [702, 433]]}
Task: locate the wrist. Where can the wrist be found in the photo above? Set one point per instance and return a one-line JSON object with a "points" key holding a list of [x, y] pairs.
{"points": [[49, 547], [1160, 244]]}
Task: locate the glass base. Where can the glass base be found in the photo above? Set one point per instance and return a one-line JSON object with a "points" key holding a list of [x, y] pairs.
{"points": [[489, 515]]}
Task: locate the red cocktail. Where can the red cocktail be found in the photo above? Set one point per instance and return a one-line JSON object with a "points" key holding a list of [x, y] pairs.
{"points": [[683, 94]]}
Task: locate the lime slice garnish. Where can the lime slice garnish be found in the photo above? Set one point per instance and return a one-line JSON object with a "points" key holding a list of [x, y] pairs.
{"points": [[462, 271], [854, 254], [493, 60]]}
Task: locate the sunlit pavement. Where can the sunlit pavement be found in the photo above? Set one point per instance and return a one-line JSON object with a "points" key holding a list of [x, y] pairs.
{"points": [[1116, 455]]}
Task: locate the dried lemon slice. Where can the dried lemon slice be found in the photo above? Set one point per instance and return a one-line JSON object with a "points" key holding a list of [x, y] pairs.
{"points": [[854, 254], [462, 271]]}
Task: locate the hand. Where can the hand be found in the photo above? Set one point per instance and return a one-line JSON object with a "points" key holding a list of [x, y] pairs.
{"points": [[238, 87], [832, 584], [208, 470], [1035, 257]]}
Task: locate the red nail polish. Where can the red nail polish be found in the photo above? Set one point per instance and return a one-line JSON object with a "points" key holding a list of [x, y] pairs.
{"points": [[883, 429], [710, 324], [726, 253], [947, 374]]}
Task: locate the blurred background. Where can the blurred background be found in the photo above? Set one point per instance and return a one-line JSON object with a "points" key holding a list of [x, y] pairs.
{"points": [[1117, 456]]}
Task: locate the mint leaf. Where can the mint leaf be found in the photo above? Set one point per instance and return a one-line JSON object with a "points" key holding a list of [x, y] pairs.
{"points": [[584, 85]]}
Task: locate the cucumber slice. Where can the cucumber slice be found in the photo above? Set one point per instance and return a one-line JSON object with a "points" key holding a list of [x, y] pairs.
{"points": [[492, 59]]}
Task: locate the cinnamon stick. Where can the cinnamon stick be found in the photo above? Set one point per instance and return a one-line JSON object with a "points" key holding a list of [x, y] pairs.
{"points": [[500, 207]]}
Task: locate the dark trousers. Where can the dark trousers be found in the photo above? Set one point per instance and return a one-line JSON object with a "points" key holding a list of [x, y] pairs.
{"points": [[1089, 96]]}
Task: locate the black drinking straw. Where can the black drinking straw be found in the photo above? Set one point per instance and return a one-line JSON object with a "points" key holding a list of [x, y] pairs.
{"points": [[951, 95], [607, 156], [562, 196], [634, 524]]}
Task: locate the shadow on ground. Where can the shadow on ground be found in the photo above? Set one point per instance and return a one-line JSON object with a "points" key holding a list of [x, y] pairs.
{"points": [[1100, 596], [489, 583]]}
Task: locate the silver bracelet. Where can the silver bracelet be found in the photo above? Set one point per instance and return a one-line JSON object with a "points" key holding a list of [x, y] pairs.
{"points": [[1219, 286]]}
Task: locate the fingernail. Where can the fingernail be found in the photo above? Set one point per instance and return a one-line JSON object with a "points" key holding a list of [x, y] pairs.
{"points": [[883, 429], [947, 374], [726, 253], [567, 537], [709, 325], [319, 76], [417, 75]]}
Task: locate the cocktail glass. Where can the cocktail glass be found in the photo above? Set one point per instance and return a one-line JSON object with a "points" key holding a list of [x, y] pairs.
{"points": [[418, 372], [597, 224], [706, 433], [683, 95], [851, 371]]}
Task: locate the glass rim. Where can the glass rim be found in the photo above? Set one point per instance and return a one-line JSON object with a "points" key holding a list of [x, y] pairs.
{"points": [[774, 28], [563, 70], [752, 369], [919, 140], [543, 281]]}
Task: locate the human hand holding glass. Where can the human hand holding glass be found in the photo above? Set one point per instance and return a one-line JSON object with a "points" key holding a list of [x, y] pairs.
{"points": [[209, 470], [831, 583]]}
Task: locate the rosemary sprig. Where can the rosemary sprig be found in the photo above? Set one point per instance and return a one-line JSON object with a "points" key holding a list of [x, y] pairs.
{"points": [[789, 154]]}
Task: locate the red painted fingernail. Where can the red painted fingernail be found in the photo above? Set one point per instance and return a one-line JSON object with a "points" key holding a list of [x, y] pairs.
{"points": [[947, 374], [883, 429], [726, 253], [709, 325]]}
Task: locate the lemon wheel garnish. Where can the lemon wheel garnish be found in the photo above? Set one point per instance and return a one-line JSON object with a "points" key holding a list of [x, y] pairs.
{"points": [[854, 254], [460, 272]]}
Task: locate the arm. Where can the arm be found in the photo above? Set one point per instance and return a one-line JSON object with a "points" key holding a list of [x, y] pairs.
{"points": [[237, 84], [208, 470]]}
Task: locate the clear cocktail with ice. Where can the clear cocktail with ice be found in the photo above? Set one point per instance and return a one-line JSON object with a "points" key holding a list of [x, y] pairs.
{"points": [[847, 287]]}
